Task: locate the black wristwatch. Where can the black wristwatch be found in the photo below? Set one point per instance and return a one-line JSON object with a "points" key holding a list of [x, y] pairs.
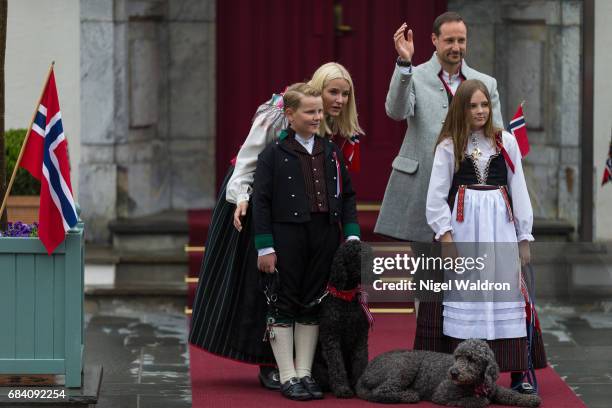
{"points": [[402, 63]]}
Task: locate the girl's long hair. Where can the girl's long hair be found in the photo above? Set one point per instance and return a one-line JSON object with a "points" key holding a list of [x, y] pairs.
{"points": [[346, 124], [457, 123]]}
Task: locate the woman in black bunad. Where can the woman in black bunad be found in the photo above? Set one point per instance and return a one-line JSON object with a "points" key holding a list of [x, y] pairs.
{"points": [[229, 308]]}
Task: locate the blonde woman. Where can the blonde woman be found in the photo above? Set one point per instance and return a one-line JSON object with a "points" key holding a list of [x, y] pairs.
{"points": [[229, 308]]}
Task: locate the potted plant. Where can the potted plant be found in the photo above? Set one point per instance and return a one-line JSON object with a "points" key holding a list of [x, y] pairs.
{"points": [[45, 336], [41, 285], [24, 200]]}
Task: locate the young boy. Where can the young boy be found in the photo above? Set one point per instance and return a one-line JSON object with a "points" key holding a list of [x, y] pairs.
{"points": [[302, 192]]}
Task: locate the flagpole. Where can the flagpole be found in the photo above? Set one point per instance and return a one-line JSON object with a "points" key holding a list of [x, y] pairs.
{"points": [[25, 141]]}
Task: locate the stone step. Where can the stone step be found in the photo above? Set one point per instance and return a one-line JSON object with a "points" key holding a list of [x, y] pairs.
{"points": [[552, 230], [590, 271], [136, 272], [168, 230], [139, 268], [148, 255]]}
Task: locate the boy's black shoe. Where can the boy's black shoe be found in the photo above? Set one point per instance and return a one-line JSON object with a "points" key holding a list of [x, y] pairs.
{"points": [[294, 390], [312, 387], [269, 378]]}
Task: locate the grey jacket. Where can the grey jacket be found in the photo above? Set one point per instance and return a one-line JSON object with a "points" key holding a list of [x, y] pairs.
{"points": [[420, 99]]}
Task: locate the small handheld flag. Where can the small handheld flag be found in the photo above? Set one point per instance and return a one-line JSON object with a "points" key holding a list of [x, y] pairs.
{"points": [[607, 175], [46, 157], [518, 128]]}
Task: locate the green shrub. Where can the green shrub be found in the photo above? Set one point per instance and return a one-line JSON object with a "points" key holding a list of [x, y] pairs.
{"points": [[24, 183]]}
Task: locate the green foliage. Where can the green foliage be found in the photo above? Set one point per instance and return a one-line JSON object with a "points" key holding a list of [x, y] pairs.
{"points": [[24, 183]]}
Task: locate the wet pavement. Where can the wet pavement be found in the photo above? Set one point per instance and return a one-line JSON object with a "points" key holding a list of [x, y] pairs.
{"points": [[578, 339], [142, 344]]}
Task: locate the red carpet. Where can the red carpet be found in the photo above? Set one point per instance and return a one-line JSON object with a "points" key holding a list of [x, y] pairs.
{"points": [[218, 382]]}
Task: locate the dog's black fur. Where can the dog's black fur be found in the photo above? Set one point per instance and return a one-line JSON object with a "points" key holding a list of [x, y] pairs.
{"points": [[343, 335]]}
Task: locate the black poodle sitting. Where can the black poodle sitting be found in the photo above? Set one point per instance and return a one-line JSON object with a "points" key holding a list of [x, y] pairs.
{"points": [[343, 330], [463, 379]]}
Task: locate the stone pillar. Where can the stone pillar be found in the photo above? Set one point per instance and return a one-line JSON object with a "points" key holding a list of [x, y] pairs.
{"points": [[192, 101], [97, 169], [148, 108], [142, 149]]}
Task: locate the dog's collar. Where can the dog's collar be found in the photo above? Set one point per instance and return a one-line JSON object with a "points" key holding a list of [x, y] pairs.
{"points": [[349, 295], [346, 295]]}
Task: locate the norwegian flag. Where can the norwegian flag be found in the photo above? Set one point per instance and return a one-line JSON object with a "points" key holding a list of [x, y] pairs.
{"points": [[607, 176], [46, 158], [350, 151], [518, 128]]}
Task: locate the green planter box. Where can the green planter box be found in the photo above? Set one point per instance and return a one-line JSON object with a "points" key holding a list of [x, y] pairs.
{"points": [[41, 307]]}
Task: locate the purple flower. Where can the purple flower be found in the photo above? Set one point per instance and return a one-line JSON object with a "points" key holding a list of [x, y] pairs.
{"points": [[20, 230]]}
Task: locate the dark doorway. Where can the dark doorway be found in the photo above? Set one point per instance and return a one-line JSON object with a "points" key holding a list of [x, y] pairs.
{"points": [[262, 46]]}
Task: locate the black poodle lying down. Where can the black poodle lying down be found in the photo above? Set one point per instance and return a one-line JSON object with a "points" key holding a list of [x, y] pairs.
{"points": [[464, 379]]}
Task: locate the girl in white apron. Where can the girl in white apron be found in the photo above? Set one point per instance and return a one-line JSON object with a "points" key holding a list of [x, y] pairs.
{"points": [[478, 199]]}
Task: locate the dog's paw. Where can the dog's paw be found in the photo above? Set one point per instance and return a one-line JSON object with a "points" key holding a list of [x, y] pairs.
{"points": [[532, 400], [344, 392]]}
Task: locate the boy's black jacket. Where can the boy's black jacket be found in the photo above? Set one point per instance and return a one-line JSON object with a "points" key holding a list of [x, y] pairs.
{"points": [[279, 193]]}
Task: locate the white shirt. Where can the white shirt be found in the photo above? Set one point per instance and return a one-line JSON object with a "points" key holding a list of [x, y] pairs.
{"points": [[453, 81], [437, 210], [307, 143], [263, 131]]}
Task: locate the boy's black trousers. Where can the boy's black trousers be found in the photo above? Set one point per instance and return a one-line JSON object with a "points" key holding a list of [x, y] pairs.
{"points": [[304, 254]]}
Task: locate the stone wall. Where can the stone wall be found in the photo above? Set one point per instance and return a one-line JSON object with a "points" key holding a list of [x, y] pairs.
{"points": [[148, 108], [533, 48]]}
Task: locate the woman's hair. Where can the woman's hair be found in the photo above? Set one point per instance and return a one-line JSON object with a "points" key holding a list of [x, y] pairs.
{"points": [[346, 124], [294, 93], [458, 119]]}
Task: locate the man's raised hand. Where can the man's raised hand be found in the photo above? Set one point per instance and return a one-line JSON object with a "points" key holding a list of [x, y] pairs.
{"points": [[404, 44]]}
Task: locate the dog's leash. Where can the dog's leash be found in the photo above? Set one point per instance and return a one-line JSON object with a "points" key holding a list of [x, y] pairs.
{"points": [[530, 374], [363, 300], [270, 283]]}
